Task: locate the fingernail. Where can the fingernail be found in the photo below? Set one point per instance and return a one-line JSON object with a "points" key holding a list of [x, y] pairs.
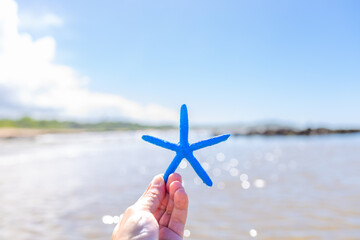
{"points": [[157, 181]]}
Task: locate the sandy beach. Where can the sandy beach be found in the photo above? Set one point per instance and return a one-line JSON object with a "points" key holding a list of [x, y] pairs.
{"points": [[8, 133]]}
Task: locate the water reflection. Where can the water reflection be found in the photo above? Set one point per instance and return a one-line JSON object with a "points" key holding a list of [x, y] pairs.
{"points": [[205, 165], [183, 164], [220, 157], [216, 172], [245, 185], [234, 172], [234, 162], [259, 183], [244, 177], [187, 233], [253, 233]]}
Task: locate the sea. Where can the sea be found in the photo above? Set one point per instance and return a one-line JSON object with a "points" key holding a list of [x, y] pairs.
{"points": [[75, 186]]}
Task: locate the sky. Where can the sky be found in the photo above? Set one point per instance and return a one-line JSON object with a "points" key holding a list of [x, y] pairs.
{"points": [[230, 61]]}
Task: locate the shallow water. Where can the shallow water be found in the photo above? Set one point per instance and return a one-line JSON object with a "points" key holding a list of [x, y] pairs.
{"points": [[70, 186]]}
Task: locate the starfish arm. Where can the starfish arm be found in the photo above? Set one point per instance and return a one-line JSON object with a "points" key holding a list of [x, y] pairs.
{"points": [[159, 142], [209, 142], [184, 125], [172, 167], [199, 169]]}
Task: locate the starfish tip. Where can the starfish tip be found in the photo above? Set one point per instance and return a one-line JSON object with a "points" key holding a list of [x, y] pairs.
{"points": [[183, 107]]}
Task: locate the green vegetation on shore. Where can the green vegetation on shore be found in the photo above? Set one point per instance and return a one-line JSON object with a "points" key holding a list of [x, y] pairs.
{"points": [[27, 122]]}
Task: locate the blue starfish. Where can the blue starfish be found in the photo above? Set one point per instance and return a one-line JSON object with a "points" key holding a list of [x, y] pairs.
{"points": [[184, 150]]}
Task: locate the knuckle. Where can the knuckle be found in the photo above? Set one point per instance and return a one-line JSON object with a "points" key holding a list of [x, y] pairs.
{"points": [[130, 210]]}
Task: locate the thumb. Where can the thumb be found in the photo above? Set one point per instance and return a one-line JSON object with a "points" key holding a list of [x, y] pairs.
{"points": [[151, 199]]}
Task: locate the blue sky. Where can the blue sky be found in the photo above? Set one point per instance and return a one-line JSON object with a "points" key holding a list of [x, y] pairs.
{"points": [[230, 61]]}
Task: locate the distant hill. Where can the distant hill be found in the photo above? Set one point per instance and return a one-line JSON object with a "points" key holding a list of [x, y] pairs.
{"points": [[278, 130]]}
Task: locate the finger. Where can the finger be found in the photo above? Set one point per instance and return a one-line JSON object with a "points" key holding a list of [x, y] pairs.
{"points": [[164, 204], [166, 233], [173, 177], [164, 221], [160, 211], [151, 199], [151, 183], [174, 186], [179, 212]]}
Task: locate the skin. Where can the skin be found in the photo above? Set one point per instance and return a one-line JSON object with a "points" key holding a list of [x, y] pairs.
{"points": [[160, 213]]}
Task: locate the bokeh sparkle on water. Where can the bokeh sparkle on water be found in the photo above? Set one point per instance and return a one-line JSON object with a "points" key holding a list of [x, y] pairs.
{"points": [[75, 186]]}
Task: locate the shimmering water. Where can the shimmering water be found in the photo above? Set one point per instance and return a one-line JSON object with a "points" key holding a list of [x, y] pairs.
{"points": [[71, 186]]}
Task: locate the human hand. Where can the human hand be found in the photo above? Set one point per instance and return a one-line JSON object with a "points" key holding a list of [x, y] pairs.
{"points": [[160, 213]]}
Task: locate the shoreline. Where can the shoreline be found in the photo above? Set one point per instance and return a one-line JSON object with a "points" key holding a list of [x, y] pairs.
{"points": [[7, 133], [11, 133]]}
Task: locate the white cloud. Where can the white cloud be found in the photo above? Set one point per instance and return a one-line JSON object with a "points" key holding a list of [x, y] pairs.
{"points": [[30, 83], [35, 22]]}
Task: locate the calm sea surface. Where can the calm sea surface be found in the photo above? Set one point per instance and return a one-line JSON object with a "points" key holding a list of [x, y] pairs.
{"points": [[74, 186]]}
